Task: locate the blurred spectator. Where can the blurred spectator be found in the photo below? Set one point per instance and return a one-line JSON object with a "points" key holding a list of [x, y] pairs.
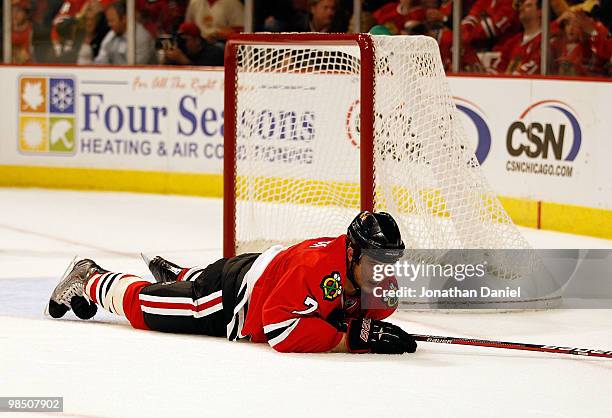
{"points": [[21, 31], [521, 54], [191, 49], [148, 14], [67, 14], [598, 42], [68, 9], [161, 16], [601, 10], [486, 27], [580, 45], [400, 16], [43, 12], [274, 16], [489, 24], [114, 46], [568, 48], [172, 15], [69, 27], [432, 19], [65, 48], [469, 61], [367, 21], [90, 37], [217, 19], [319, 18], [442, 11]]}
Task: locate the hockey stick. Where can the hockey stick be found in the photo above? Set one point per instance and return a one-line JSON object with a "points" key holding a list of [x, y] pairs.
{"points": [[514, 346]]}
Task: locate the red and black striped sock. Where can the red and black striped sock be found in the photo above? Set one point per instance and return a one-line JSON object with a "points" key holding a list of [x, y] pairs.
{"points": [[118, 293]]}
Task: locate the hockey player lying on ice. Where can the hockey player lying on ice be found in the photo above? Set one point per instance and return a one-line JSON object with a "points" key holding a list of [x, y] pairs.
{"points": [[305, 298]]}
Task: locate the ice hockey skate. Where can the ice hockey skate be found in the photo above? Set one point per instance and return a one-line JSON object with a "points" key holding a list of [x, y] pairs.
{"points": [[68, 294], [163, 270]]}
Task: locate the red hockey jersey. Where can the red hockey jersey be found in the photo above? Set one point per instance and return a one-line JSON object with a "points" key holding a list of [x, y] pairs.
{"points": [[293, 299], [389, 14], [521, 55], [490, 20]]}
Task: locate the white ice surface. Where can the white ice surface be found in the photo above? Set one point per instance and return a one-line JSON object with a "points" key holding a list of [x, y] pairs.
{"points": [[103, 368]]}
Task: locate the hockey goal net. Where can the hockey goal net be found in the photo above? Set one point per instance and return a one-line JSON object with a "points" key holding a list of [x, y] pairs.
{"points": [[318, 126]]}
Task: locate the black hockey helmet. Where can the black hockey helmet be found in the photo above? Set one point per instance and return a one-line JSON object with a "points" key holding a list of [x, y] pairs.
{"points": [[376, 231]]}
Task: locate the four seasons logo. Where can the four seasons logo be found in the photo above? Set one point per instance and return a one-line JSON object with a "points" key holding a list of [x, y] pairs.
{"points": [[46, 115]]}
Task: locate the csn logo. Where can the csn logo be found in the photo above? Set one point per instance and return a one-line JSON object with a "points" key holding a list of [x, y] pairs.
{"points": [[548, 129], [476, 128]]}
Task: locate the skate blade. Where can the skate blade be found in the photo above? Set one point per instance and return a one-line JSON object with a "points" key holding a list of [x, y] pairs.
{"points": [[146, 259], [68, 270]]}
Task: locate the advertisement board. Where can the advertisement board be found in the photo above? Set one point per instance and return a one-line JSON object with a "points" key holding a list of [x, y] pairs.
{"points": [[107, 118], [157, 129], [539, 139]]}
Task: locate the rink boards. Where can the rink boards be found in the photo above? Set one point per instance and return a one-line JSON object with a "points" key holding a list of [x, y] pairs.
{"points": [[544, 145]]}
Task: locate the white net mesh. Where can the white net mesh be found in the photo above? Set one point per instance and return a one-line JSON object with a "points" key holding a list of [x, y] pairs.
{"points": [[297, 148], [426, 172]]}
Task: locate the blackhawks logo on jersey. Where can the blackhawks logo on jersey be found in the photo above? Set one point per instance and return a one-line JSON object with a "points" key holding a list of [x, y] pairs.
{"points": [[391, 301], [331, 286]]}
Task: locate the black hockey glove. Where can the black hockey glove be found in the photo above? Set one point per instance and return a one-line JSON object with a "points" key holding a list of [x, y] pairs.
{"points": [[369, 336]]}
